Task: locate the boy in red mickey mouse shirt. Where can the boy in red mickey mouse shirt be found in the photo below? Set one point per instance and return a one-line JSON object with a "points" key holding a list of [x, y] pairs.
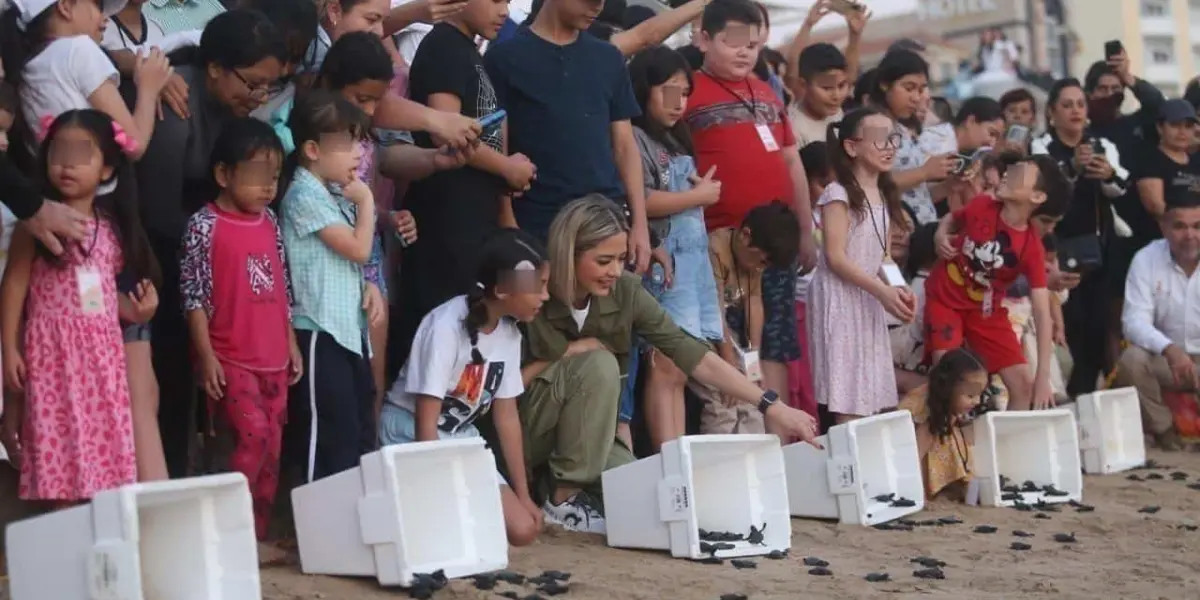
{"points": [[984, 247]]}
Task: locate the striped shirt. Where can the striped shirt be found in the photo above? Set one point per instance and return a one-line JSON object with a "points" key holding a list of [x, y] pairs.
{"points": [[182, 15]]}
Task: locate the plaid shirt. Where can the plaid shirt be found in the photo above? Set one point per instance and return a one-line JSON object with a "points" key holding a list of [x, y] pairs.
{"points": [[182, 15], [328, 288]]}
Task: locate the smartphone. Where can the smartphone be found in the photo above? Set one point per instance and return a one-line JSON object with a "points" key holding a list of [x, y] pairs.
{"points": [[491, 123], [1097, 147], [843, 7], [1016, 134], [1113, 48]]}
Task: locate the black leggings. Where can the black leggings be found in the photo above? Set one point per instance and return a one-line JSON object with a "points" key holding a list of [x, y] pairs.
{"points": [[1086, 324], [170, 349]]}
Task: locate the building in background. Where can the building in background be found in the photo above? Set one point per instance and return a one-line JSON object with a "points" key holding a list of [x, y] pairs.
{"points": [[1161, 37]]}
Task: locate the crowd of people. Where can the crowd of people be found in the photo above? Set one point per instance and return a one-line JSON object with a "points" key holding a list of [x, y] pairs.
{"points": [[323, 228]]}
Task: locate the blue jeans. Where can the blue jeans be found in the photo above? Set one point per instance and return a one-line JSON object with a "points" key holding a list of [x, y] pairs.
{"points": [[399, 426]]}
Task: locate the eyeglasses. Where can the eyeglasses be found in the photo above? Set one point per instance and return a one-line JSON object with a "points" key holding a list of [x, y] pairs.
{"points": [[259, 91], [890, 142]]}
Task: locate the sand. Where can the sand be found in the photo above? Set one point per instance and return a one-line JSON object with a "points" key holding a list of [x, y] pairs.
{"points": [[1120, 554]]}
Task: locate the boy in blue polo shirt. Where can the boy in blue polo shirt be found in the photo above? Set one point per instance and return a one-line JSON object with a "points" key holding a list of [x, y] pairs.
{"points": [[569, 103]]}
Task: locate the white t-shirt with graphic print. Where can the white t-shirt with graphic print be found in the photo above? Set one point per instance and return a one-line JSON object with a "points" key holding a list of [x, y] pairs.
{"points": [[440, 366]]}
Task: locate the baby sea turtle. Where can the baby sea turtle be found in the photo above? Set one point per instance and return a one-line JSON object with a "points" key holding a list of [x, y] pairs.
{"points": [[884, 497], [902, 502], [734, 597], [820, 572], [951, 520], [1187, 527], [1134, 477], [1004, 481], [1022, 534], [1085, 508], [1154, 477], [420, 593], [930, 573], [484, 581], [557, 575], [1041, 515], [812, 561], [892, 527], [877, 577], [710, 560], [928, 523], [1194, 486], [534, 597], [1149, 510], [1010, 488], [1065, 538], [985, 529], [1044, 506], [541, 580], [512, 577], [1179, 476], [1020, 546], [553, 588], [511, 595], [1029, 486], [777, 554], [1011, 496], [706, 548], [909, 522], [756, 535], [928, 562], [743, 563], [1052, 491]]}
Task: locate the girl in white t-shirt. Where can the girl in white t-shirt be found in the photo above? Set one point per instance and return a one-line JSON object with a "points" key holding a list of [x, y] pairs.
{"points": [[52, 54], [466, 359]]}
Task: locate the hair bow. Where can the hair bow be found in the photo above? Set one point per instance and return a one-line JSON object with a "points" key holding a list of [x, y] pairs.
{"points": [[123, 139]]}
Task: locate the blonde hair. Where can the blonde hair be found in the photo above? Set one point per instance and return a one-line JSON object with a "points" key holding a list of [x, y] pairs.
{"points": [[580, 226]]}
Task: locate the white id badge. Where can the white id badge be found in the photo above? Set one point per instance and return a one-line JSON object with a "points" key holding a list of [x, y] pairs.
{"points": [[891, 275], [749, 361], [768, 138], [91, 294]]}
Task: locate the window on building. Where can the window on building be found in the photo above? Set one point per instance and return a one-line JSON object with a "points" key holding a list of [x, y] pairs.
{"points": [[1156, 8], [1160, 50]]}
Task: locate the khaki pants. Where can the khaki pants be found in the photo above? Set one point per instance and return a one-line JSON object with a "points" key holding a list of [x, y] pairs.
{"points": [[721, 416], [1151, 376], [569, 418]]}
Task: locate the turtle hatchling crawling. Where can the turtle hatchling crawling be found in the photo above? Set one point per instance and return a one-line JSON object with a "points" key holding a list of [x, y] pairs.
{"points": [[1065, 538], [877, 577], [1020, 546]]}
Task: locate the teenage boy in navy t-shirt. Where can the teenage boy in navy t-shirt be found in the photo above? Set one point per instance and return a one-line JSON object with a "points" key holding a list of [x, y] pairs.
{"points": [[569, 103]]}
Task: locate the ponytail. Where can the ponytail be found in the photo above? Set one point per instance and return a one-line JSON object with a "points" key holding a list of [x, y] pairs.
{"points": [[477, 317]]}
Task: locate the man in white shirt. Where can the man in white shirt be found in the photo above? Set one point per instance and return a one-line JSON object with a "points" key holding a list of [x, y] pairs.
{"points": [[1161, 318]]}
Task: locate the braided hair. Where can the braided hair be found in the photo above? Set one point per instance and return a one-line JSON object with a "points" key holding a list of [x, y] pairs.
{"points": [[943, 379], [505, 252]]}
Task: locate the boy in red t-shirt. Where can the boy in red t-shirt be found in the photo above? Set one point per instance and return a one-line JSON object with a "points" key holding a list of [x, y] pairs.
{"points": [[740, 126], [984, 247]]}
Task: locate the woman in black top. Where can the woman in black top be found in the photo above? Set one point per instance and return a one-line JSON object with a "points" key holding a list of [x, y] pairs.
{"points": [[1093, 164]]}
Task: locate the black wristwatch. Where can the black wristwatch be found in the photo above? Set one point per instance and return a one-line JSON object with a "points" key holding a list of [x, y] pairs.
{"points": [[768, 399]]}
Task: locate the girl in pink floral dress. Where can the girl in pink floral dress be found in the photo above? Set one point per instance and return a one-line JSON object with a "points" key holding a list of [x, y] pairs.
{"points": [[73, 434]]}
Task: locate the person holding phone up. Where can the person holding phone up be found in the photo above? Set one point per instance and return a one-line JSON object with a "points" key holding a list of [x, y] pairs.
{"points": [[1086, 230]]}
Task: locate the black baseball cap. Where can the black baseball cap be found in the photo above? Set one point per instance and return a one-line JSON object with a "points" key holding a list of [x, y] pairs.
{"points": [[1177, 111]]}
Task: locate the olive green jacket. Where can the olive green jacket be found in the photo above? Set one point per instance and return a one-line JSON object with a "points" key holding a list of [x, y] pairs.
{"points": [[628, 311]]}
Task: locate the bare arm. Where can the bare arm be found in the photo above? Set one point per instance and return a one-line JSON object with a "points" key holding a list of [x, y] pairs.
{"points": [[353, 244], [655, 30], [1150, 190], [14, 289], [429, 409], [801, 201], [665, 204], [512, 445], [416, 11], [629, 165], [484, 158], [197, 321], [139, 125], [1043, 322], [407, 162]]}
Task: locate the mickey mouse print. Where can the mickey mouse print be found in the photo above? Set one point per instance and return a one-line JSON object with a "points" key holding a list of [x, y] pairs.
{"points": [[992, 255]]}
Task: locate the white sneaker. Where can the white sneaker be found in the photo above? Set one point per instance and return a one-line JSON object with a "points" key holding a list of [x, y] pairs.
{"points": [[577, 513]]}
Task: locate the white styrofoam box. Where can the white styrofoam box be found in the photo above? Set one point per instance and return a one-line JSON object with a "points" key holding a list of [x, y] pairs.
{"points": [[1041, 446], [712, 482], [184, 539], [406, 509], [861, 460], [1110, 430]]}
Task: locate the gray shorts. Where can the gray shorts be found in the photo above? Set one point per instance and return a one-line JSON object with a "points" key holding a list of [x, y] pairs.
{"points": [[135, 332]]}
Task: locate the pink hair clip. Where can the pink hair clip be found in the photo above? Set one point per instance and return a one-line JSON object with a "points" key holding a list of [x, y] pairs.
{"points": [[127, 143]]}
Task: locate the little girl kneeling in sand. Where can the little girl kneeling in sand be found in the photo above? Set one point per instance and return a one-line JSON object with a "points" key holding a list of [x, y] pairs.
{"points": [[939, 410]]}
